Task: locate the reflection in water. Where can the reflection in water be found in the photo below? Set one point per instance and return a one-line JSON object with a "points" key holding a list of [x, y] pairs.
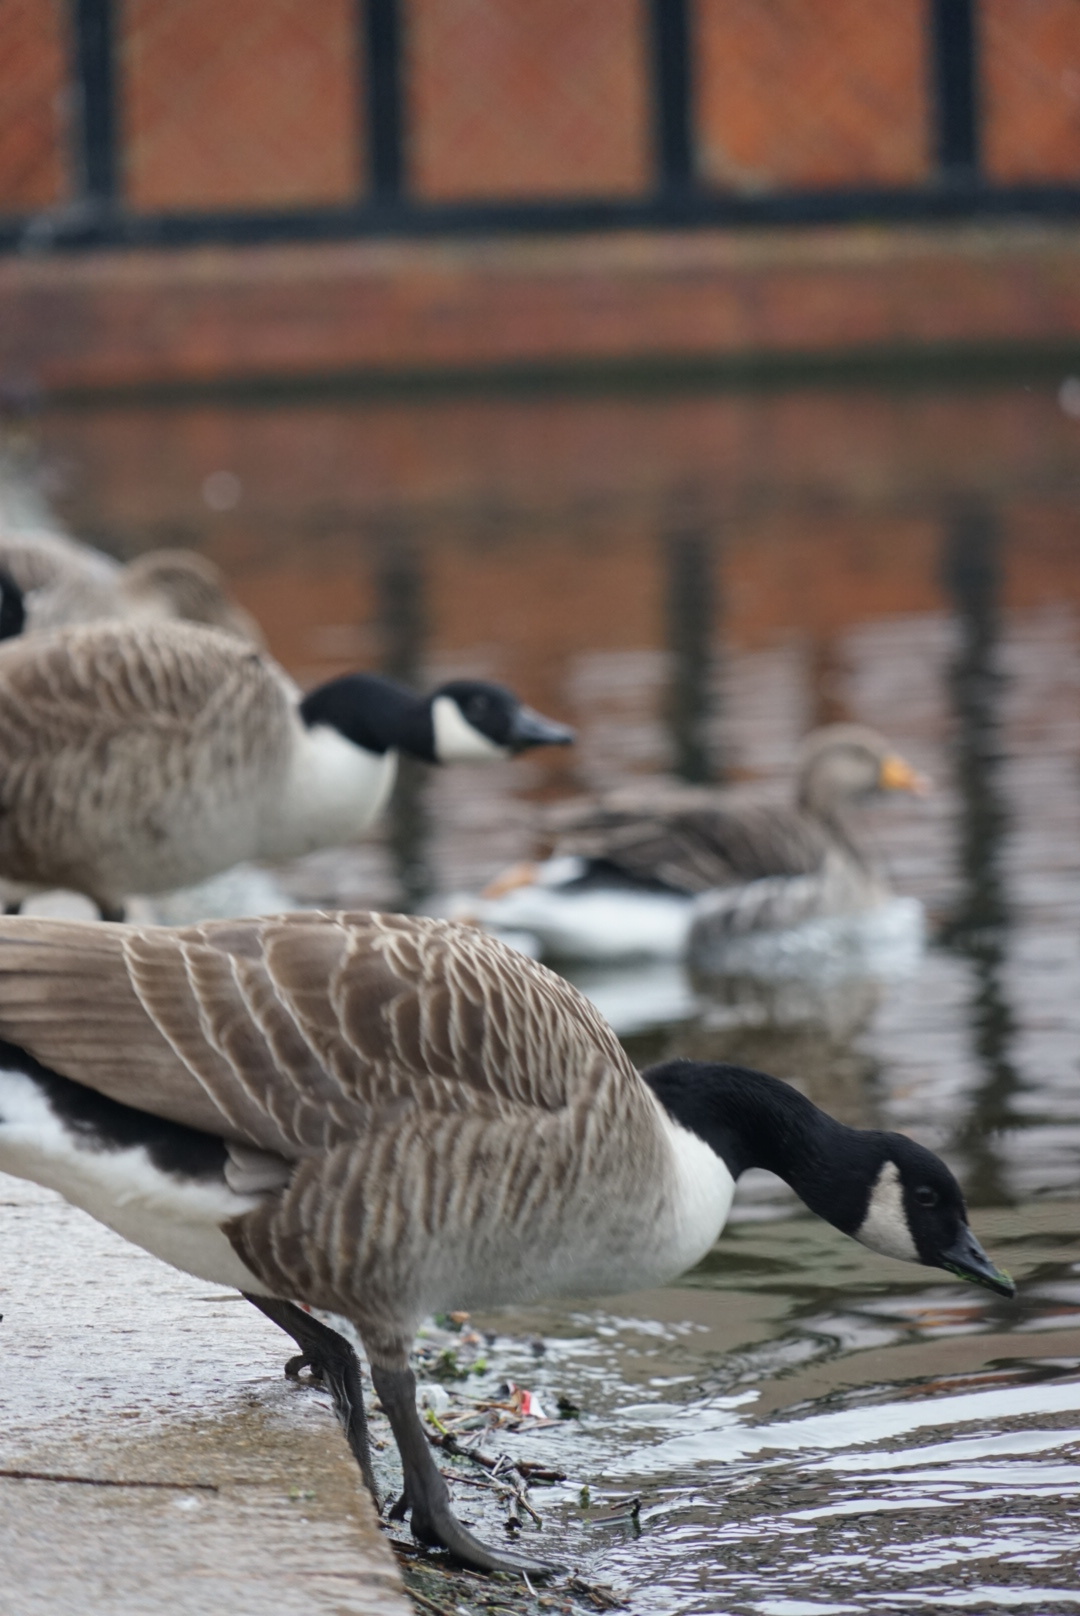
{"points": [[691, 613], [827, 676], [402, 619], [978, 929], [804, 1032]]}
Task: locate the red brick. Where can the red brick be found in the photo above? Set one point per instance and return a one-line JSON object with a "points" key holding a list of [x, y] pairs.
{"points": [[33, 63], [512, 100], [240, 105], [795, 93], [1030, 53]]}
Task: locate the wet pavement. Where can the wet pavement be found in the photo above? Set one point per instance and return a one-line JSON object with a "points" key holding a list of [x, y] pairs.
{"points": [[152, 1456]]}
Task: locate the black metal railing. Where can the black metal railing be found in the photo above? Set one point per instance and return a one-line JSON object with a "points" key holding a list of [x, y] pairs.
{"points": [[956, 187]]}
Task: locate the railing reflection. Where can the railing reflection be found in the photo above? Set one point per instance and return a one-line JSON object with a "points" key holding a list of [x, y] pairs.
{"points": [[689, 556], [403, 629], [979, 926]]}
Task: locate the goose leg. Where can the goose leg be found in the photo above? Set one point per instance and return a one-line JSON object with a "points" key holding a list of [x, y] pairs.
{"points": [[433, 1521], [331, 1358]]}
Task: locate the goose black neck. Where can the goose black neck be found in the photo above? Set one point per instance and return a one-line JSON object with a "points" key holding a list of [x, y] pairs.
{"points": [[375, 713], [752, 1120]]}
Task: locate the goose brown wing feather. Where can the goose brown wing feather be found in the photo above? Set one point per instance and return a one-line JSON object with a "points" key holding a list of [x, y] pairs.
{"points": [[295, 1033], [699, 848], [103, 678], [99, 723]]}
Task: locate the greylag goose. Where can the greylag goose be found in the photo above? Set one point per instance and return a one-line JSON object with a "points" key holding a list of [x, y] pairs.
{"points": [[660, 871]]}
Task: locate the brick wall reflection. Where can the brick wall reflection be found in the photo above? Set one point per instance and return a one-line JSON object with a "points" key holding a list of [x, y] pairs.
{"points": [[540, 532], [541, 521]]}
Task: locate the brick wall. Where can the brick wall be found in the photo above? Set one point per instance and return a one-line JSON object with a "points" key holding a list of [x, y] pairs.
{"points": [[249, 103], [33, 124], [258, 102], [796, 93]]}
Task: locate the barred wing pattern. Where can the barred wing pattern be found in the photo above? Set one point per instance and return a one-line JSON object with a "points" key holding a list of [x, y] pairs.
{"points": [[420, 1075], [698, 848], [98, 722], [288, 1032]]}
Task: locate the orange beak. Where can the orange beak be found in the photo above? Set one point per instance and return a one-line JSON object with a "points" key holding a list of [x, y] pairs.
{"points": [[508, 880], [898, 775]]}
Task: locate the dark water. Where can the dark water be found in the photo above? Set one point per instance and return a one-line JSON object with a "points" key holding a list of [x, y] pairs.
{"points": [[695, 581]]}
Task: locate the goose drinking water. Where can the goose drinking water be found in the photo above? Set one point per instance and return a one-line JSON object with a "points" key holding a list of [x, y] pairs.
{"points": [[386, 1116]]}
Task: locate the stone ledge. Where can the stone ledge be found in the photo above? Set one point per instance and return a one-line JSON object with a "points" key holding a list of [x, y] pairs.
{"points": [[140, 319]]}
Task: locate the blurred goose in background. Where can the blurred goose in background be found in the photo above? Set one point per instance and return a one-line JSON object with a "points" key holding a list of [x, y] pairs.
{"points": [[135, 759], [65, 582], [384, 1117], [657, 872]]}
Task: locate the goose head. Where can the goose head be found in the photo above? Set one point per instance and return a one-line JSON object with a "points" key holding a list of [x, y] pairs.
{"points": [[184, 585], [842, 763], [913, 1208], [883, 1189], [472, 720], [463, 721]]}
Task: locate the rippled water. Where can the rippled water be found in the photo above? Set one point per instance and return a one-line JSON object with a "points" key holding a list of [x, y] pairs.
{"points": [[809, 1428]]}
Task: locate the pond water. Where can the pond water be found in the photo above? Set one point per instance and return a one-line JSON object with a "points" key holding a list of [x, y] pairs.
{"points": [[694, 579]]}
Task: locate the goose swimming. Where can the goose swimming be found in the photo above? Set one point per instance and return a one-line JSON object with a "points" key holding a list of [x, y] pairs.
{"points": [[662, 872], [66, 582], [385, 1116], [142, 758]]}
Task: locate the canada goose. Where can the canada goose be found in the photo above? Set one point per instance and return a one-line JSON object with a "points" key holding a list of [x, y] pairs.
{"points": [[683, 868], [137, 758], [384, 1116], [66, 582]]}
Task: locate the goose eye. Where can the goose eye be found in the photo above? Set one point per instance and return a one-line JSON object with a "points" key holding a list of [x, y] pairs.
{"points": [[926, 1196]]}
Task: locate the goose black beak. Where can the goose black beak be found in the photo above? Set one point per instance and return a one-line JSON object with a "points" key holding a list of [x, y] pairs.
{"points": [[529, 728], [967, 1258]]}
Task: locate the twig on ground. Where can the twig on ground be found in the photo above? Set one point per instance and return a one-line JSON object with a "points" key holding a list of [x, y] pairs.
{"points": [[430, 1604], [108, 1481], [530, 1469], [603, 1597]]}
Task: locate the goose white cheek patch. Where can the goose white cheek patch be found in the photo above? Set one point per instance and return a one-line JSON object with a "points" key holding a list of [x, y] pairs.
{"points": [[455, 739], [885, 1226]]}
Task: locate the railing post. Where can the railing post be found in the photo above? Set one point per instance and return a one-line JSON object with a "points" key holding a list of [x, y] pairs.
{"points": [[381, 22], [954, 69], [95, 118], [672, 80]]}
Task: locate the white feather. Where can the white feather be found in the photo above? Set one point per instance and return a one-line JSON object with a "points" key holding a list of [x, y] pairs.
{"points": [[456, 741], [174, 1218], [334, 791], [885, 1226]]}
